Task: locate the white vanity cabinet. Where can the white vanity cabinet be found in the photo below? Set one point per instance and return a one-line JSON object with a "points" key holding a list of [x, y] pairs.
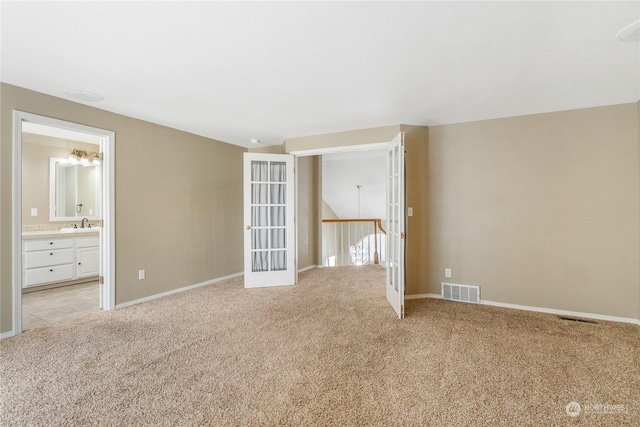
{"points": [[59, 259], [46, 261]]}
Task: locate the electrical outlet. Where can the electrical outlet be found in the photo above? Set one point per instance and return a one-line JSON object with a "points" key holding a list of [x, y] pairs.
{"points": [[409, 211], [141, 274], [447, 273]]}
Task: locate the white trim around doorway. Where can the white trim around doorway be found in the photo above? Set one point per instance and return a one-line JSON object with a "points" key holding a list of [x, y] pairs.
{"points": [[341, 149], [107, 239]]}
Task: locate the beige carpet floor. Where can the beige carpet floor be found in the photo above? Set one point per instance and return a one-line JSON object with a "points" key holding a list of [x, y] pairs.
{"points": [[326, 352]]}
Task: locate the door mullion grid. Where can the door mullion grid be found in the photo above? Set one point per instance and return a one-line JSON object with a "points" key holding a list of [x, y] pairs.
{"points": [[265, 227], [269, 244]]}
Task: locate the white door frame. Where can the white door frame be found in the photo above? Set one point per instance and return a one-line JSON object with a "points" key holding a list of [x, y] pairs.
{"points": [[352, 148], [107, 236], [320, 152]]}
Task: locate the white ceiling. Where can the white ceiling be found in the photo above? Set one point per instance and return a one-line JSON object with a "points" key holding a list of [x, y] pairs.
{"points": [[240, 70]]}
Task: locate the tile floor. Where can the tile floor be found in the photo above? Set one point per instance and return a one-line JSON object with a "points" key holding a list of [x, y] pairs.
{"points": [[52, 305]]}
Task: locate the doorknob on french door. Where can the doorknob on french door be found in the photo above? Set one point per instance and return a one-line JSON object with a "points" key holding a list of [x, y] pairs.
{"points": [[247, 227]]}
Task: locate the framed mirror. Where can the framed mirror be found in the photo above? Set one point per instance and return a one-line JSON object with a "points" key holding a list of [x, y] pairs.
{"points": [[74, 190]]}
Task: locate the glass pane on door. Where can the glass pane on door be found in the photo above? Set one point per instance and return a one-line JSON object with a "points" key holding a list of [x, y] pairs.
{"points": [[268, 216]]}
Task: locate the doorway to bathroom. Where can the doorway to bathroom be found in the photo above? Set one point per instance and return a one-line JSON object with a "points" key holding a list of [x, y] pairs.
{"points": [[63, 220]]}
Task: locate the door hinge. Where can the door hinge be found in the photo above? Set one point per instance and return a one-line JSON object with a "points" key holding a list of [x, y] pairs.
{"points": [[101, 280], [403, 235]]}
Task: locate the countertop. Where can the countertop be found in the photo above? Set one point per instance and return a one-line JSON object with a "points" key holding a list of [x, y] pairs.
{"points": [[51, 234]]}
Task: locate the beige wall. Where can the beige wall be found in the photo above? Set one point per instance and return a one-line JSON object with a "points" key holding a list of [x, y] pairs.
{"points": [[416, 139], [178, 200], [36, 152], [308, 212], [327, 212], [342, 139], [539, 210], [269, 149]]}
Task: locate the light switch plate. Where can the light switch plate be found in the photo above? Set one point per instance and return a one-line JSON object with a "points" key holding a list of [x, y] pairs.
{"points": [[447, 272], [34, 211], [141, 274], [409, 211]]}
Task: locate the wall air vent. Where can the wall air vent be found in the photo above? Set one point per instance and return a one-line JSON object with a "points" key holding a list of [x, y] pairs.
{"points": [[464, 293]]}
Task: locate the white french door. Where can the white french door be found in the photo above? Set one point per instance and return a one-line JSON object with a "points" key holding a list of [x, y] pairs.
{"points": [[396, 225], [269, 237]]}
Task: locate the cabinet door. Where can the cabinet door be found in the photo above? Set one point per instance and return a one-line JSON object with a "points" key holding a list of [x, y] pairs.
{"points": [[88, 262]]}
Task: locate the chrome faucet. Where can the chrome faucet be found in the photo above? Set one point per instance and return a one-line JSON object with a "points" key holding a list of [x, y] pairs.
{"points": [[82, 222]]}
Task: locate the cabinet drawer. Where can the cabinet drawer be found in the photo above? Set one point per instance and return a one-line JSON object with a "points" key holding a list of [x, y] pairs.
{"points": [[48, 258], [86, 242], [41, 245], [57, 273]]}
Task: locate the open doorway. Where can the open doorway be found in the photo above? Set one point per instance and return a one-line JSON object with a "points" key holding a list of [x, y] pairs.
{"points": [[354, 208], [396, 212], [63, 220]]}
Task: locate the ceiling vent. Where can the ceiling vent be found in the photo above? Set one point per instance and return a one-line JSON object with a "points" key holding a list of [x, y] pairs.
{"points": [[83, 95], [630, 33]]}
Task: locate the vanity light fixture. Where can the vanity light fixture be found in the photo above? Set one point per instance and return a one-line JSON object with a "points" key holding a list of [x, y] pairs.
{"points": [[84, 158], [75, 156], [97, 158]]}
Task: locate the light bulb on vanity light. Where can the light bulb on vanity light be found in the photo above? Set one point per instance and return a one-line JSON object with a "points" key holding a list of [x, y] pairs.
{"points": [[75, 156]]}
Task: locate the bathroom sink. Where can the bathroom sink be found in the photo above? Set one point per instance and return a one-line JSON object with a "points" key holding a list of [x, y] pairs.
{"points": [[79, 230]]}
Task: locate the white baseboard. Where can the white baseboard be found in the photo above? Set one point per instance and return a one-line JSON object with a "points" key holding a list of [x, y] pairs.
{"points": [[7, 334], [541, 310], [420, 296], [185, 288], [563, 312], [308, 268]]}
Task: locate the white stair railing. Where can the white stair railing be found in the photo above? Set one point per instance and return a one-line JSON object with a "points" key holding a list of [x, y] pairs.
{"points": [[352, 242]]}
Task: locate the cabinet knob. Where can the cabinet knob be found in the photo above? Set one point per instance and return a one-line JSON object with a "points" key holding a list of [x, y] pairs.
{"points": [[79, 263], [51, 243], [50, 253], [51, 269]]}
